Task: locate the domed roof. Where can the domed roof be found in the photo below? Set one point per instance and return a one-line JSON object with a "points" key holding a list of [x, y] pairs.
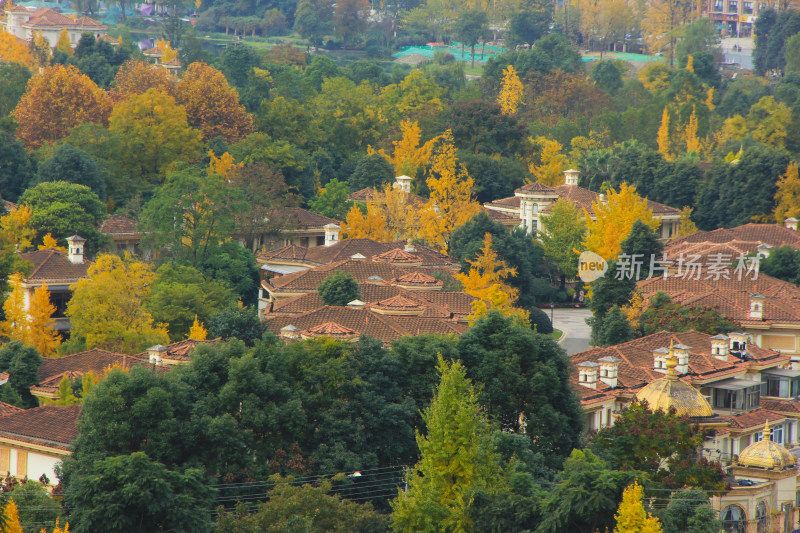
{"points": [[669, 391], [766, 454]]}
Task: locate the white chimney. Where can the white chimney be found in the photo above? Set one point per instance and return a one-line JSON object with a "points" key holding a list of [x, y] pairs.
{"points": [[762, 250], [290, 332], [155, 354], [601, 198], [75, 244], [331, 234], [409, 247], [587, 374], [571, 177], [757, 306], [791, 223], [720, 347], [681, 352], [403, 183], [356, 304], [609, 367], [660, 359]]}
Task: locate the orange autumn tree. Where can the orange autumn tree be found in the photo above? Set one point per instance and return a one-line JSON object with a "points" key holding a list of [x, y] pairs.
{"points": [[223, 165], [56, 100], [212, 106], [452, 202], [613, 220], [136, 77], [16, 50], [486, 279], [42, 334], [365, 225]]}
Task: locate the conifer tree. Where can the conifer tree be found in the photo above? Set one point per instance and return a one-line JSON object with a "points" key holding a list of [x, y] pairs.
{"points": [[663, 136], [42, 333], [15, 326], [788, 196], [456, 458], [511, 91], [631, 516], [198, 331]]}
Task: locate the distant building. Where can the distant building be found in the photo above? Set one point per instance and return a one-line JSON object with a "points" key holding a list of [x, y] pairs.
{"points": [[123, 234], [57, 270], [533, 201], [24, 23], [34, 441]]}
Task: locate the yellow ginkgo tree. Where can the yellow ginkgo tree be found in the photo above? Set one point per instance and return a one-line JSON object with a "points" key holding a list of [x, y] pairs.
{"points": [[613, 220], [486, 280], [631, 515], [409, 155], [511, 91]]}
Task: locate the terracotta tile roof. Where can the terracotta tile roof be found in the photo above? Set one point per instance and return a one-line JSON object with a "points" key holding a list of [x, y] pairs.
{"points": [[50, 385], [95, 360], [365, 195], [754, 419], [8, 409], [785, 407], [10, 206], [731, 297], [330, 329], [53, 265], [360, 269], [398, 304], [47, 17], [343, 250], [398, 256], [52, 426], [636, 366], [118, 225], [178, 351], [536, 187], [510, 202], [86, 22], [502, 217], [298, 218], [364, 321], [739, 240], [418, 279], [18, 9], [455, 305]]}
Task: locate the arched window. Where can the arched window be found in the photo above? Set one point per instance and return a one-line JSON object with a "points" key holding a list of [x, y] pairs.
{"points": [[733, 519], [762, 519]]}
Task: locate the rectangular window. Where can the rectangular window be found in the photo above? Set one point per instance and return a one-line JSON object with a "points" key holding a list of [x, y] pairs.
{"points": [[747, 8], [59, 301], [777, 434], [321, 240], [733, 6], [718, 6]]}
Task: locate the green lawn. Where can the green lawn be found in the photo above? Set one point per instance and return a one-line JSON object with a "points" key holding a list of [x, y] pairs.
{"points": [[556, 333]]}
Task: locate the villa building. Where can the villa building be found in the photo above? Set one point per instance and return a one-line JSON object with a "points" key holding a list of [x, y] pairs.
{"points": [[24, 23]]}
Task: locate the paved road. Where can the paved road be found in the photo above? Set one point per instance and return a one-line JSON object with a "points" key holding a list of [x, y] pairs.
{"points": [[576, 332]]}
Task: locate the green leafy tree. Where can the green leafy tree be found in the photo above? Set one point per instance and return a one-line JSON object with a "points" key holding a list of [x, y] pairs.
{"points": [[585, 496], [371, 171], [236, 322], [671, 459], [456, 457], [64, 209], [529, 25], [181, 293], [332, 200], [237, 62], [615, 329], [73, 166], [607, 76], [35, 506], [689, 511], [562, 234], [13, 79], [663, 314], [313, 20], [233, 264], [481, 127], [495, 177], [642, 242], [472, 27], [23, 363], [340, 288], [309, 508], [137, 494], [350, 20], [782, 263], [16, 171], [511, 362], [792, 54], [697, 38]]}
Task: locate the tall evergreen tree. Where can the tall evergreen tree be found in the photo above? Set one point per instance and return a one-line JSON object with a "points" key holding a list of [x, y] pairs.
{"points": [[456, 457]]}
